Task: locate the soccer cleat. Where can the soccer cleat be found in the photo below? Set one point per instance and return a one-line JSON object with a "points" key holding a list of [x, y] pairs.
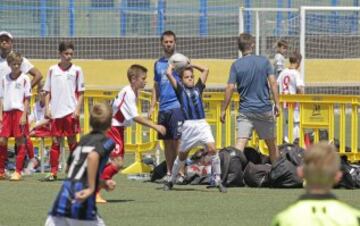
{"points": [[49, 178], [15, 176], [221, 188], [99, 199], [168, 185]]}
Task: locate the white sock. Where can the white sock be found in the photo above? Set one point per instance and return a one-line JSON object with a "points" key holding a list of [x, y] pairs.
{"points": [[176, 168], [215, 168]]}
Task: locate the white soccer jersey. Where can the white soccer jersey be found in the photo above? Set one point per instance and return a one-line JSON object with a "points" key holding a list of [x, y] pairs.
{"points": [[25, 67], [64, 85], [279, 63], [289, 80], [124, 107], [14, 91]]}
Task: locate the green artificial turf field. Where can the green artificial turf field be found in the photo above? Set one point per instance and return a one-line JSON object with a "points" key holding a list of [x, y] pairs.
{"points": [[143, 203]]}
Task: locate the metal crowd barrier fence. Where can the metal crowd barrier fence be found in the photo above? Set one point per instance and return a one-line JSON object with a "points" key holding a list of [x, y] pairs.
{"points": [[337, 115]]}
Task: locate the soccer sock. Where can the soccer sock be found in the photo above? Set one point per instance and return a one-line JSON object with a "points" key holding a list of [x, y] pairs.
{"points": [[109, 171], [20, 157], [30, 148], [215, 167], [54, 158], [176, 168], [3, 158]]}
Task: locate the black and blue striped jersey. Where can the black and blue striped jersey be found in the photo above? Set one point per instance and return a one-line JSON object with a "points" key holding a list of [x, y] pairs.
{"points": [[65, 204]]}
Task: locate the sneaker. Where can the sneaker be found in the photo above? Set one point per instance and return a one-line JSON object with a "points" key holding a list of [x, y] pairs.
{"points": [[49, 178], [168, 185], [15, 176], [3, 176], [221, 188], [99, 199]]}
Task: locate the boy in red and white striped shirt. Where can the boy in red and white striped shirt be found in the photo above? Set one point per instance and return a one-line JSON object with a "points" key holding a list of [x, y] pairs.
{"points": [[65, 92], [15, 93]]}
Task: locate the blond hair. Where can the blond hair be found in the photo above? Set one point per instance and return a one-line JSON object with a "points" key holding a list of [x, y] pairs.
{"points": [[14, 57], [100, 116], [321, 164], [135, 71]]}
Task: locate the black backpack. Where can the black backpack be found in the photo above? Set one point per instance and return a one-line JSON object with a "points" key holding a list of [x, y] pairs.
{"points": [[232, 163], [254, 156], [257, 175], [283, 175], [293, 153], [159, 172], [347, 181]]}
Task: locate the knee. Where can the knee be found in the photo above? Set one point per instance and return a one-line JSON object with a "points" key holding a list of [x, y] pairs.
{"points": [[3, 141], [118, 162]]}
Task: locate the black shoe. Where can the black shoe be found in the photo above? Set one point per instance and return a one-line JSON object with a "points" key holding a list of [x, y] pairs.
{"points": [[168, 185], [221, 188]]}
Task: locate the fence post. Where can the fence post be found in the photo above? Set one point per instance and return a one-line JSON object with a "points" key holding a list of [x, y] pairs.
{"points": [[248, 20], [160, 16], [123, 17], [203, 20], [279, 18], [71, 18], [43, 18]]}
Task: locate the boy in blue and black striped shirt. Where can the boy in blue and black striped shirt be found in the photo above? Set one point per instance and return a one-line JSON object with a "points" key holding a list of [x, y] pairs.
{"points": [[75, 203], [195, 130]]}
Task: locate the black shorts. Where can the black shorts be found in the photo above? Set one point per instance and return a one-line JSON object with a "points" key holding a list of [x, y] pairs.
{"points": [[172, 120]]}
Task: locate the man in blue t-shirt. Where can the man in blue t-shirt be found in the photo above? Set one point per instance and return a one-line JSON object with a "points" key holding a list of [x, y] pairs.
{"points": [[254, 78], [170, 114]]}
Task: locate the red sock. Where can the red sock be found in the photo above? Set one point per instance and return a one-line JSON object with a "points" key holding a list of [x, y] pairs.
{"points": [[72, 147], [3, 158], [20, 157], [54, 158], [109, 171], [30, 148]]}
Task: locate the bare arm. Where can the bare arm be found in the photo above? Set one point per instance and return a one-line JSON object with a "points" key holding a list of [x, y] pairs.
{"points": [[275, 94], [169, 74], [36, 76], [204, 72], [149, 123], [154, 95], [92, 167], [26, 109], [79, 104], [47, 103], [229, 90]]}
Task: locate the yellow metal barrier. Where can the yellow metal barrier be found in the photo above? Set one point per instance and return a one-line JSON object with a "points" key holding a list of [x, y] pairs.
{"points": [[316, 112], [137, 138]]}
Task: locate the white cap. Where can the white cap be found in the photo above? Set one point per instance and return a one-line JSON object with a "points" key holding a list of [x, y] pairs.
{"points": [[5, 33]]}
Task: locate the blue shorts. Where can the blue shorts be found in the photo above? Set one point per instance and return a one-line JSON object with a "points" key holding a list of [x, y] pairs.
{"points": [[172, 120]]}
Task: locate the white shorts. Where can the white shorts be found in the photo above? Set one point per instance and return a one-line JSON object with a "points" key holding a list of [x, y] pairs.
{"points": [[64, 221], [195, 133]]}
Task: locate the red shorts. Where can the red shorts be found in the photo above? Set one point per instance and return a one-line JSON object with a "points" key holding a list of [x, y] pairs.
{"points": [[117, 134], [65, 126], [42, 131], [11, 126]]}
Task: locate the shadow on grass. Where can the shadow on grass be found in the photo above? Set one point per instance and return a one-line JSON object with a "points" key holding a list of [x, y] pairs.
{"points": [[185, 189], [119, 200]]}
